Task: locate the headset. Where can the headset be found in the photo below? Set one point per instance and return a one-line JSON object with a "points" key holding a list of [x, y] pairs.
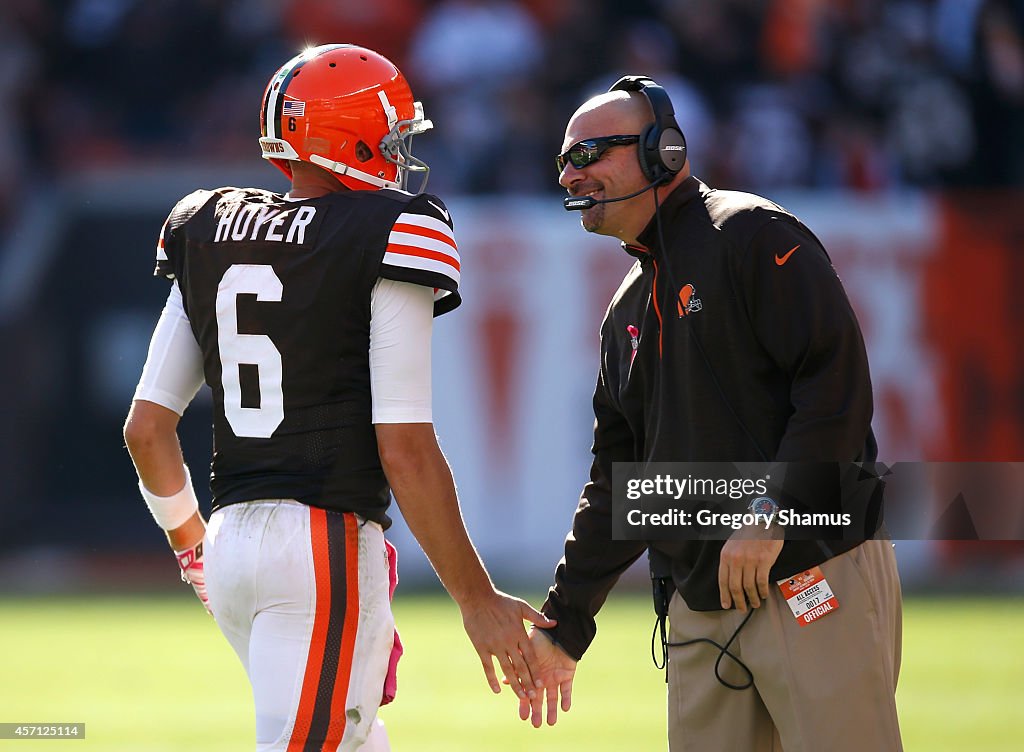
{"points": [[662, 147]]}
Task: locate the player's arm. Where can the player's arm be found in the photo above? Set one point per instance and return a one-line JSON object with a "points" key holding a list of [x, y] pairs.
{"points": [[419, 475], [422, 483], [150, 433], [170, 379]]}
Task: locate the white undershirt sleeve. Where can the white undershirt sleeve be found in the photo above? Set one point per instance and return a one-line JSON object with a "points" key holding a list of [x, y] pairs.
{"points": [[174, 367], [401, 321]]}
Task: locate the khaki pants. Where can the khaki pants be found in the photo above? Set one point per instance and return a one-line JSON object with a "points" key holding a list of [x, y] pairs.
{"points": [[829, 685]]}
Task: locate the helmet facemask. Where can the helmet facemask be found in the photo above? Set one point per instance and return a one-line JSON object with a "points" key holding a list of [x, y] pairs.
{"points": [[396, 146]]}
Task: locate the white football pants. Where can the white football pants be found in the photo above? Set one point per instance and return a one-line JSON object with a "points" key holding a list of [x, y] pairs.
{"points": [[301, 594]]}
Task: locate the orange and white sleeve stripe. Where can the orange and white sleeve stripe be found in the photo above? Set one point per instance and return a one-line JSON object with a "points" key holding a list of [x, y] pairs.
{"points": [[425, 243], [163, 263]]}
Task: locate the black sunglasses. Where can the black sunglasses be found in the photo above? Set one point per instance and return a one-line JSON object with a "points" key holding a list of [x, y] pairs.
{"points": [[589, 150]]}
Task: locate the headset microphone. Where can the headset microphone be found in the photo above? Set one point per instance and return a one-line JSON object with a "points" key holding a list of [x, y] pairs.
{"points": [[582, 203]]}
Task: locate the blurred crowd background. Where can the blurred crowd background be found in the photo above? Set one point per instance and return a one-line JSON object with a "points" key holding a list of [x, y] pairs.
{"points": [[861, 94], [894, 127]]}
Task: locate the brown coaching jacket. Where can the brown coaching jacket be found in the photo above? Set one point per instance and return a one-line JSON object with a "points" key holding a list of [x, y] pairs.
{"points": [[734, 341]]}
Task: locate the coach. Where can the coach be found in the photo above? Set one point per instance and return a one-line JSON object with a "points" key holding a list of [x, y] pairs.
{"points": [[730, 339]]}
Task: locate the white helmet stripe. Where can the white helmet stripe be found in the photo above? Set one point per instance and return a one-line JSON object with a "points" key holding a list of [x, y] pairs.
{"points": [[275, 94]]}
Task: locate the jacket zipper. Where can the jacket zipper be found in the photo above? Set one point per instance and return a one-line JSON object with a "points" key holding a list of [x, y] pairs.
{"points": [[657, 308]]}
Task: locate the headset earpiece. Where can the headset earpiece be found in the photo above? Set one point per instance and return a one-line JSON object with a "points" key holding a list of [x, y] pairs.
{"points": [[647, 154], [672, 150], [662, 148]]}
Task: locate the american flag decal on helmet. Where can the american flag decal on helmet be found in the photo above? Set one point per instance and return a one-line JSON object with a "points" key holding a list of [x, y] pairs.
{"points": [[421, 242], [293, 108]]}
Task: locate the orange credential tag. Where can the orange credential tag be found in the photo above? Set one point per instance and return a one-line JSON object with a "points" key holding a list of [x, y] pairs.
{"points": [[808, 595]]}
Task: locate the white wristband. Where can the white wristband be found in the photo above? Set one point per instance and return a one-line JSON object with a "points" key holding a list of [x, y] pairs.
{"points": [[174, 511]]}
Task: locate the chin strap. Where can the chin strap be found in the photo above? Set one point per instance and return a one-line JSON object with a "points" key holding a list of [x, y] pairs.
{"points": [[343, 169]]}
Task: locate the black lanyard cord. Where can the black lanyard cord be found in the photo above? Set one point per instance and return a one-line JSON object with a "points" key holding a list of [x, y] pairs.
{"points": [[723, 651]]}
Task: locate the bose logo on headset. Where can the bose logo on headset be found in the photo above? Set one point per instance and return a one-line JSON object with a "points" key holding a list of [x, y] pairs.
{"points": [[662, 147]]}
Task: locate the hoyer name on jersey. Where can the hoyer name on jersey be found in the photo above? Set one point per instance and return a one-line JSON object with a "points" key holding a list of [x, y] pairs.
{"points": [[264, 222]]}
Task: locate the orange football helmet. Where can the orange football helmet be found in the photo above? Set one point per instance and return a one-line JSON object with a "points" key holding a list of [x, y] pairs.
{"points": [[346, 109]]}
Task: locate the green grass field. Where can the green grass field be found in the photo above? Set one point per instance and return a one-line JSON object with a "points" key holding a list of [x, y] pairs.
{"points": [[149, 673]]}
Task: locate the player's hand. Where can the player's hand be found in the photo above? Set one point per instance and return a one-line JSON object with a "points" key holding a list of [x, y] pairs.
{"points": [[495, 627], [556, 669], [743, 568], [191, 562]]}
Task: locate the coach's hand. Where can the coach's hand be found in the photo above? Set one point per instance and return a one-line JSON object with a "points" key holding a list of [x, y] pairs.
{"points": [[495, 627], [743, 568], [555, 669]]}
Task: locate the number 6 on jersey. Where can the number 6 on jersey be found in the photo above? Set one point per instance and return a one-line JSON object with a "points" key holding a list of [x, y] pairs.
{"points": [[249, 349]]}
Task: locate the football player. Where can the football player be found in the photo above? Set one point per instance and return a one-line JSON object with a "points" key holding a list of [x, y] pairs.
{"points": [[309, 314]]}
